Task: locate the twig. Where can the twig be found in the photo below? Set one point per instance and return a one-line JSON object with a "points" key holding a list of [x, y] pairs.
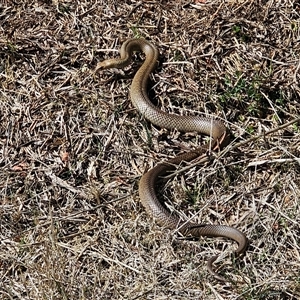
{"points": [[58, 181], [273, 161], [256, 137], [204, 159]]}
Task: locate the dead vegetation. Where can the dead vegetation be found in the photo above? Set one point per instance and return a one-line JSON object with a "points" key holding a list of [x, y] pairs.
{"points": [[73, 149]]}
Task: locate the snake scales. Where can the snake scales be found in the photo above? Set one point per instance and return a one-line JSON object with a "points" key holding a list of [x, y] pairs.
{"points": [[207, 126]]}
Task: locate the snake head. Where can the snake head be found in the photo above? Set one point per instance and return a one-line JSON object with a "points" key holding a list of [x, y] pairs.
{"points": [[102, 65]]}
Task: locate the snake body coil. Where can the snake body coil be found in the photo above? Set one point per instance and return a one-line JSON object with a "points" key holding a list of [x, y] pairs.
{"points": [[207, 126]]}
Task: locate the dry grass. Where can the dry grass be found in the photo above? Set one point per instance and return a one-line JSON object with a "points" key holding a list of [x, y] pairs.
{"points": [[73, 149]]}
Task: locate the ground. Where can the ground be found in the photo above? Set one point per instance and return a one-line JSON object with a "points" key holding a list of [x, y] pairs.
{"points": [[73, 148]]}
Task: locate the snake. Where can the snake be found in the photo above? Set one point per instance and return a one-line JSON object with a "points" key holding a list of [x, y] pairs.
{"points": [[212, 127]]}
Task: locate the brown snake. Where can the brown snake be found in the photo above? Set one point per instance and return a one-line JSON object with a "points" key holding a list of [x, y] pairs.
{"points": [[207, 126]]}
